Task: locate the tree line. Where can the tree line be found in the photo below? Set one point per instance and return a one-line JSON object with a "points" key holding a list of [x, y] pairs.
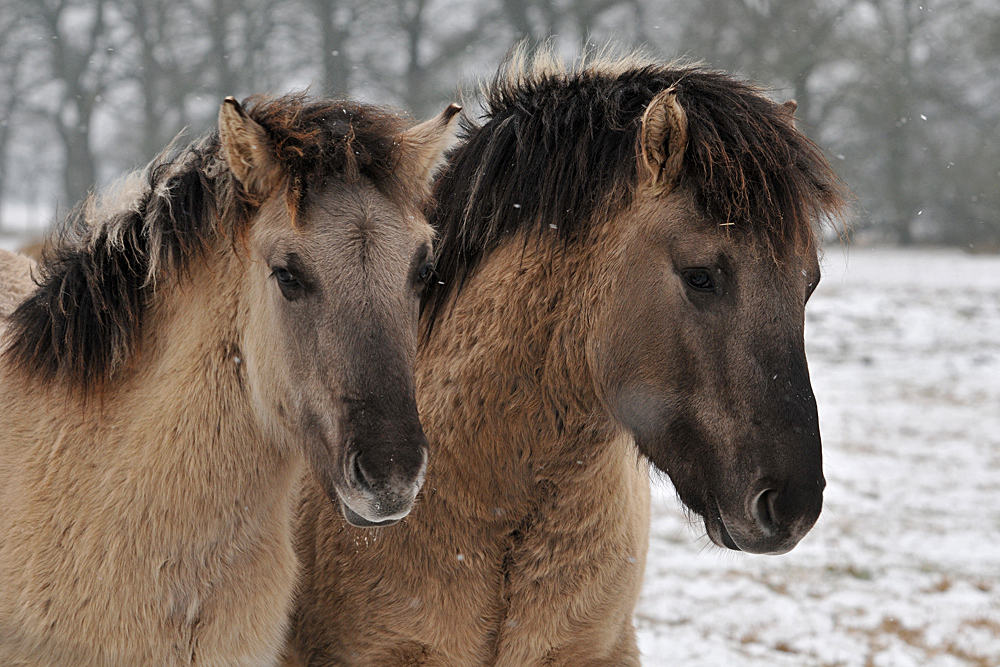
{"points": [[903, 94]]}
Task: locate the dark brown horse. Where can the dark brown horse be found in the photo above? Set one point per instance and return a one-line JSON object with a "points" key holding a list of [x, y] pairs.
{"points": [[241, 311], [625, 255]]}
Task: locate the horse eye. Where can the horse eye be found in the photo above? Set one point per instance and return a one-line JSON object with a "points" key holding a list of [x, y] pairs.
{"points": [[426, 271], [699, 280], [284, 277], [288, 283]]}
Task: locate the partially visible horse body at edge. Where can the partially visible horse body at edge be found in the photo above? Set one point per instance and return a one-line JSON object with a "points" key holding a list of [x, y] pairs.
{"points": [[15, 281], [625, 253], [241, 311]]}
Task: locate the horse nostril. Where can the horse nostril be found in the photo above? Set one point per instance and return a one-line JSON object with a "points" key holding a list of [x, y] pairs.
{"points": [[763, 511], [358, 476]]}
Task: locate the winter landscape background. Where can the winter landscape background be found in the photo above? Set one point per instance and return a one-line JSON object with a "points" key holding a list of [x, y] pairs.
{"points": [[903, 94], [903, 334]]}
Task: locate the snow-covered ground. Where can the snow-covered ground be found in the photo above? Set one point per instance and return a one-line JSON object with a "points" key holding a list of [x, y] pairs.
{"points": [[903, 567]]}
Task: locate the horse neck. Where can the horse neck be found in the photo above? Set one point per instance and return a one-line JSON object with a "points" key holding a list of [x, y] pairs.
{"points": [[191, 382], [504, 385]]}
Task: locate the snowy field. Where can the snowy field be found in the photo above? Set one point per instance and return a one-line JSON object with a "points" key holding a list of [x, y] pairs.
{"points": [[903, 567]]}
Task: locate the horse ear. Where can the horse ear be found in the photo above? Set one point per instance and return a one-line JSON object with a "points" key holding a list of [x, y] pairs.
{"points": [[662, 140], [424, 145], [788, 109], [247, 150]]}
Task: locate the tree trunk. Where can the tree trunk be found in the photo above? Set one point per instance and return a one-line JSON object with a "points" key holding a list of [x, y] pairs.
{"points": [[416, 75], [336, 74], [899, 135], [81, 71]]}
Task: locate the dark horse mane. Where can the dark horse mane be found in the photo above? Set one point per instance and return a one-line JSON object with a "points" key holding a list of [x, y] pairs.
{"points": [[99, 272], [558, 149]]}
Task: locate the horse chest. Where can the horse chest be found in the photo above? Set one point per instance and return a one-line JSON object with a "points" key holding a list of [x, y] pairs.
{"points": [[230, 605], [540, 590], [515, 580]]}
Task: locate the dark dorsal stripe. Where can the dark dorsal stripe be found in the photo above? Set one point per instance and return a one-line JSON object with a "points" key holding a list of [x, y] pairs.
{"points": [[99, 272], [559, 148]]}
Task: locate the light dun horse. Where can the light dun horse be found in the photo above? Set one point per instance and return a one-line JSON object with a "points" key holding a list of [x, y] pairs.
{"points": [[625, 255], [243, 308]]}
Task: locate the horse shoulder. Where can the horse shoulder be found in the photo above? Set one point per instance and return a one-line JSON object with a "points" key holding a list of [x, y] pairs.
{"points": [[84, 474]]}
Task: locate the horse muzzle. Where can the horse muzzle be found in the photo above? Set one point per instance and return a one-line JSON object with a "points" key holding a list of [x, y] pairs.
{"points": [[772, 520], [371, 501]]}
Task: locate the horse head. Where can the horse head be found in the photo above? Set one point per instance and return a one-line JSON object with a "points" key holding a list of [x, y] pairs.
{"points": [[339, 252], [698, 348]]}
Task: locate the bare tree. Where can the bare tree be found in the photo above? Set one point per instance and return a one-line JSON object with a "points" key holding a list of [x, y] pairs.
{"points": [[13, 52], [336, 19], [909, 99], [160, 73], [781, 42], [901, 90], [532, 20], [79, 53]]}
